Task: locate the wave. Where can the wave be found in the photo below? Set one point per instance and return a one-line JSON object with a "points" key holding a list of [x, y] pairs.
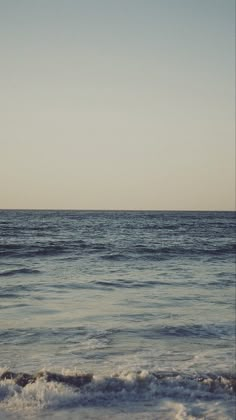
{"points": [[50, 248], [82, 335], [114, 252], [88, 388], [187, 250], [117, 256], [31, 250], [159, 253], [125, 283], [85, 336], [224, 331], [208, 331], [19, 271]]}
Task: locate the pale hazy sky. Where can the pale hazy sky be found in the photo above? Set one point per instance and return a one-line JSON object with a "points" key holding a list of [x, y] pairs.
{"points": [[117, 104]]}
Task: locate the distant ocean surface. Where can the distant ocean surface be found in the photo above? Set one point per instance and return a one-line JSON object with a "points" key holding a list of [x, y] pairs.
{"points": [[124, 315]]}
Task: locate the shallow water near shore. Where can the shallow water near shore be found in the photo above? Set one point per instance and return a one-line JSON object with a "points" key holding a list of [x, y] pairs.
{"points": [[142, 301]]}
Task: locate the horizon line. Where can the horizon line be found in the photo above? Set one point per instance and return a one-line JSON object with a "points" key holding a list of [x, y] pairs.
{"points": [[117, 210]]}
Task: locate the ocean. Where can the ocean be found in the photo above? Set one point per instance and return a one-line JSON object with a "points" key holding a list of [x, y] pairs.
{"points": [[117, 314]]}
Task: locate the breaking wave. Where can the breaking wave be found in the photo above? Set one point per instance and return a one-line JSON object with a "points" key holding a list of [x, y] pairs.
{"points": [[53, 390]]}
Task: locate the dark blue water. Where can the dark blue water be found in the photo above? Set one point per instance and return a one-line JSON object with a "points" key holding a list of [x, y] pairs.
{"points": [[124, 295]]}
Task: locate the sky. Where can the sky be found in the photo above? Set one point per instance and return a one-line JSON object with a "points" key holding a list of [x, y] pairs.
{"points": [[117, 104]]}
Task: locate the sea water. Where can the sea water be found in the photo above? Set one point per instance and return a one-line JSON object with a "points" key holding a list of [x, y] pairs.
{"points": [[143, 302]]}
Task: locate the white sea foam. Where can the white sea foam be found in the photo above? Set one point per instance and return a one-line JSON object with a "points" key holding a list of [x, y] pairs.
{"points": [[120, 390]]}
